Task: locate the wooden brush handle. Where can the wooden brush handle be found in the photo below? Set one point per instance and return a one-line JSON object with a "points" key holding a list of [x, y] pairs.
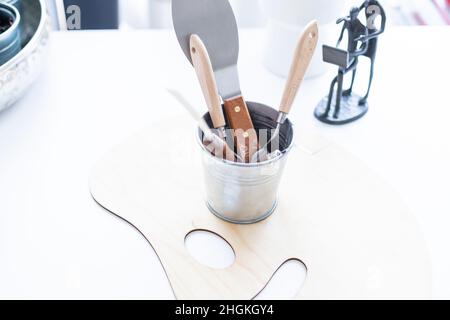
{"points": [[219, 149], [302, 58], [205, 74], [238, 116]]}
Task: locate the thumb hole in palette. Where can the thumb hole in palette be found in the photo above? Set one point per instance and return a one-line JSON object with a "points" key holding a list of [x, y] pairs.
{"points": [[286, 283], [210, 249]]}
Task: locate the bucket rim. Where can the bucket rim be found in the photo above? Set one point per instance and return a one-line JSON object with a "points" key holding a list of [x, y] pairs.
{"points": [[280, 157]]}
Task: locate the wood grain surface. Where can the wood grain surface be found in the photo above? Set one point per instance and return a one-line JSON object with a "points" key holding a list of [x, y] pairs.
{"points": [[354, 234]]}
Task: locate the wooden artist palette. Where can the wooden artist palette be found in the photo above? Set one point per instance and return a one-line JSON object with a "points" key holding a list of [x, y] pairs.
{"points": [[351, 230]]}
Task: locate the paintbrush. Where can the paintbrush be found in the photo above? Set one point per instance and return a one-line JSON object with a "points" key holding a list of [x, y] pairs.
{"points": [[212, 142]]}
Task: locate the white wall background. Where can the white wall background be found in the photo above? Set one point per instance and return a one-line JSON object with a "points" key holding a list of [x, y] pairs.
{"points": [[141, 14], [144, 14]]}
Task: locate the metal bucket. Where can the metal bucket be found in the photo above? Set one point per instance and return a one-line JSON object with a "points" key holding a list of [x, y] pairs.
{"points": [[10, 43], [246, 193]]}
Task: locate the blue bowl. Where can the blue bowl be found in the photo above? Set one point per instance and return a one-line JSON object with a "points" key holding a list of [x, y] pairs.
{"points": [[10, 41], [14, 3], [19, 72]]}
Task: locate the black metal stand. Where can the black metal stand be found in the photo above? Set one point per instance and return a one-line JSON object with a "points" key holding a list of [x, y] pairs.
{"points": [[350, 110], [342, 107]]}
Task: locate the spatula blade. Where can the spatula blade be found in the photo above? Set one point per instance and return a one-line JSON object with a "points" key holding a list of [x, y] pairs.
{"points": [[214, 22]]}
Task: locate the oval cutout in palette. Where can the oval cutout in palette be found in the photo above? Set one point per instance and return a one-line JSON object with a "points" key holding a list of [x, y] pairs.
{"points": [[209, 249]]}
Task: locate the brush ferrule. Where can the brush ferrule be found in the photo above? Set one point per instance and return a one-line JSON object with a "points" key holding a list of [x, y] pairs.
{"points": [[282, 117]]}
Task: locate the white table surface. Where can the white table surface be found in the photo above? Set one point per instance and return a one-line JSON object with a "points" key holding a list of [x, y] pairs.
{"points": [[101, 87]]}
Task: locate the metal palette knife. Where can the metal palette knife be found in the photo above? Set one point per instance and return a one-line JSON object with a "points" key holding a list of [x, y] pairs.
{"points": [[214, 22], [303, 55]]}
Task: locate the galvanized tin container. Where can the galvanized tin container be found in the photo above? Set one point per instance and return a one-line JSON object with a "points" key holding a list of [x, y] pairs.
{"points": [[245, 193], [10, 42]]}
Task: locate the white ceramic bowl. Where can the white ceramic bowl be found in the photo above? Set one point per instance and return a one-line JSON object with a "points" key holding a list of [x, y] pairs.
{"points": [[19, 73]]}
